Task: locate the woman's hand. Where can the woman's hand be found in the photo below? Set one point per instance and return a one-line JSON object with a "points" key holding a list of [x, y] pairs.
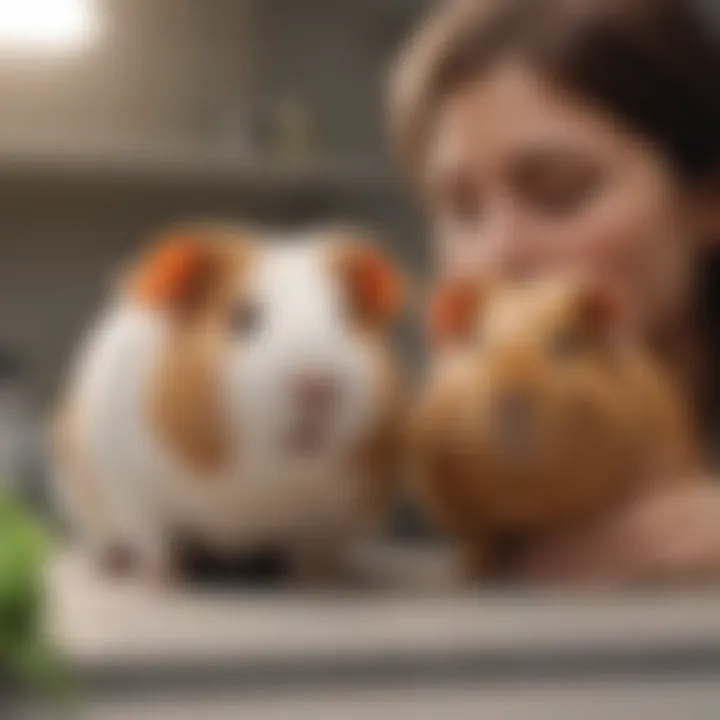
{"points": [[668, 535]]}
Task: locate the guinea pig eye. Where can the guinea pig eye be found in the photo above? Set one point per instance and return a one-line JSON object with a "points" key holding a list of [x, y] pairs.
{"points": [[246, 318], [566, 343]]}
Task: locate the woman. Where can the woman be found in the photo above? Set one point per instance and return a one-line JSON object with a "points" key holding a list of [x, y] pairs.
{"points": [[550, 135]]}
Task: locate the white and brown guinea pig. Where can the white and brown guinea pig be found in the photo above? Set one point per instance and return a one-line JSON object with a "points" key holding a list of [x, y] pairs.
{"points": [[541, 410], [240, 394]]}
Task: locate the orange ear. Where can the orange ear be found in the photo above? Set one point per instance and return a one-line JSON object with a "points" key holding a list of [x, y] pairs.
{"points": [[453, 309], [170, 274], [177, 272], [375, 287]]}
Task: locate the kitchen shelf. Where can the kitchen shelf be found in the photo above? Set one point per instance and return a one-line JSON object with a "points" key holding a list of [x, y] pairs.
{"points": [[181, 165]]}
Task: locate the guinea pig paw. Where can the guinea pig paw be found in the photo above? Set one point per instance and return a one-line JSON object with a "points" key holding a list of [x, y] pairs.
{"points": [[318, 572], [475, 564]]}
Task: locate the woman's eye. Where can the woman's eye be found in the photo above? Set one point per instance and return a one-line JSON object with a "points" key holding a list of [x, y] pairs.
{"points": [[566, 344], [246, 319], [563, 198], [556, 185]]}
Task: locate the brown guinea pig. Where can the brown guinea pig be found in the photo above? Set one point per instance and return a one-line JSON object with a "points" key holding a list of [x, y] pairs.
{"points": [[540, 411]]}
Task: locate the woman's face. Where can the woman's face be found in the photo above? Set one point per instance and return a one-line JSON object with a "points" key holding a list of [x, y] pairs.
{"points": [[523, 178]]}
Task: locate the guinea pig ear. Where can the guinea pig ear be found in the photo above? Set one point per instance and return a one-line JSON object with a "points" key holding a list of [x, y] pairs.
{"points": [[453, 310], [179, 270], [375, 287]]}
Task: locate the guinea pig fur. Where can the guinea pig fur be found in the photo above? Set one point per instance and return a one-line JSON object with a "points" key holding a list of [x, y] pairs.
{"points": [[540, 411], [238, 393]]}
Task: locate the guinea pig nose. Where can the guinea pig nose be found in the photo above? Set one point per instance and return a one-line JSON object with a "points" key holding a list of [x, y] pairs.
{"points": [[316, 393], [512, 421]]}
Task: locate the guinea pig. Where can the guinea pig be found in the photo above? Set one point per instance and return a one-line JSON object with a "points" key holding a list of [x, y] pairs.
{"points": [[540, 411], [239, 394]]}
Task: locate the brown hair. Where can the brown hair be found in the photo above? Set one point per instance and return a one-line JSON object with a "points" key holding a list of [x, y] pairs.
{"points": [[654, 64]]}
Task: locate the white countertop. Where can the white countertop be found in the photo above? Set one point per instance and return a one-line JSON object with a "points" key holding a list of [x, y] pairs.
{"points": [[411, 647], [100, 620]]}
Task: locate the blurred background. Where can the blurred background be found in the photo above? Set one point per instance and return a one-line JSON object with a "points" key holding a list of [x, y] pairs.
{"points": [[119, 116]]}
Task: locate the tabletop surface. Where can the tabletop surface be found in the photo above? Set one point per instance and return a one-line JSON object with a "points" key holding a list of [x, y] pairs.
{"points": [[99, 619], [412, 645]]}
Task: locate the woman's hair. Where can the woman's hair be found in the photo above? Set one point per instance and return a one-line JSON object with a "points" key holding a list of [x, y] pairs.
{"points": [[654, 64]]}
